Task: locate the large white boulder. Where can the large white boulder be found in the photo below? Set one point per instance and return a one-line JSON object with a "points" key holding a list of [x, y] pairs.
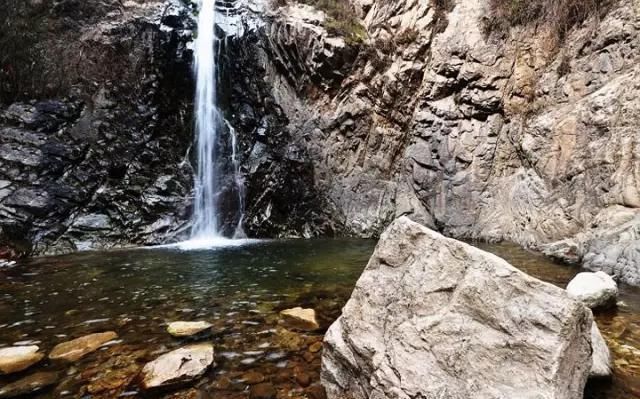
{"points": [[433, 317], [595, 290]]}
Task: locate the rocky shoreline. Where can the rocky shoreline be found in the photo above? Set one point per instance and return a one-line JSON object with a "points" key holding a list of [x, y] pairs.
{"points": [[425, 305]]}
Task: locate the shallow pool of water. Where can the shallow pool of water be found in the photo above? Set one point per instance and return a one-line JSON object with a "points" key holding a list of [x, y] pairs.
{"points": [[240, 290]]}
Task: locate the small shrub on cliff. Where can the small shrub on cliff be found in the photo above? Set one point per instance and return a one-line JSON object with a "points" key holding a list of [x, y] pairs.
{"points": [[342, 19], [558, 15], [407, 36]]}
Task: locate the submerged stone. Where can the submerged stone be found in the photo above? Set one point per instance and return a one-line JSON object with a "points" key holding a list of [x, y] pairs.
{"points": [[596, 290], [301, 319], [29, 385], [178, 366], [180, 329], [73, 350], [253, 377], [18, 358], [262, 391], [433, 317]]}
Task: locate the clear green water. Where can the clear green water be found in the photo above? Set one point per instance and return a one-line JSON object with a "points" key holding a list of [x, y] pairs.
{"points": [[240, 290]]}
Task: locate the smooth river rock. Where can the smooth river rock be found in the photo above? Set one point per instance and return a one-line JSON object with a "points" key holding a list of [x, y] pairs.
{"points": [[28, 385], [182, 329], [301, 319], [601, 356], [73, 350], [433, 317], [596, 290], [178, 366], [18, 358]]}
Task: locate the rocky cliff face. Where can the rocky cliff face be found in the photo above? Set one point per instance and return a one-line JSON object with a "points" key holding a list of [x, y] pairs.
{"points": [[404, 108], [514, 137], [102, 159]]}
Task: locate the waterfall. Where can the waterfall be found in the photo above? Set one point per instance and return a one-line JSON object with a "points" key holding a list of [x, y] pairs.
{"points": [[237, 180], [205, 216], [211, 178]]}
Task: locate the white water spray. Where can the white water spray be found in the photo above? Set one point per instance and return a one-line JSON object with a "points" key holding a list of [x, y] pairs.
{"points": [[206, 229], [205, 217]]}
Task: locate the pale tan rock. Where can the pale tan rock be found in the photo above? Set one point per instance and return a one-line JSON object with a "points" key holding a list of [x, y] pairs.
{"points": [[29, 385], [299, 318], [187, 328], [601, 357], [178, 366], [433, 317], [493, 138], [18, 358], [75, 349]]}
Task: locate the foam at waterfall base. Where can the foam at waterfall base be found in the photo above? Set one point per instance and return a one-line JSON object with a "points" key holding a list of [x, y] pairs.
{"points": [[211, 243]]}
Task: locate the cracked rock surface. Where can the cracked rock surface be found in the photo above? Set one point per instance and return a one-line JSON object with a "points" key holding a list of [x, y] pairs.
{"points": [[432, 317], [478, 136]]}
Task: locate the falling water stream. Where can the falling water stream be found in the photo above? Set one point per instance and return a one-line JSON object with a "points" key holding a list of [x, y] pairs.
{"points": [[205, 217], [210, 124]]}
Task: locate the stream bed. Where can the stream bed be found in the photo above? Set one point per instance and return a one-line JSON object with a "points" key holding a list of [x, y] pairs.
{"points": [[240, 290]]}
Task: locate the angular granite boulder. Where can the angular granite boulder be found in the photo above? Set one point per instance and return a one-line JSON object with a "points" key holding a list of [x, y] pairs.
{"points": [[432, 317]]}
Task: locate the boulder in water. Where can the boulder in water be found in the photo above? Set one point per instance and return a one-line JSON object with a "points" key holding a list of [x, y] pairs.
{"points": [[180, 329], [73, 350], [178, 366], [596, 290], [433, 317], [601, 356], [29, 385], [301, 319], [18, 358]]}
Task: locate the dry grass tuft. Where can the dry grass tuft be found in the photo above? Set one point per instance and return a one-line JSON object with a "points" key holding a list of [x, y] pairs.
{"points": [[342, 18], [557, 15]]}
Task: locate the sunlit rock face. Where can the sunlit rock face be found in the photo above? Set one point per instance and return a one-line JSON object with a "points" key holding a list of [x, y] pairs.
{"points": [[434, 317], [500, 137]]}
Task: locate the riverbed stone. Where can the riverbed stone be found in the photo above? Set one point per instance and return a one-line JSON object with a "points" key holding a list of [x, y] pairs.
{"points": [[265, 390], [315, 347], [178, 366], [253, 377], [301, 319], [180, 329], [73, 350], [29, 385], [18, 358], [433, 317], [596, 290], [601, 356]]}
